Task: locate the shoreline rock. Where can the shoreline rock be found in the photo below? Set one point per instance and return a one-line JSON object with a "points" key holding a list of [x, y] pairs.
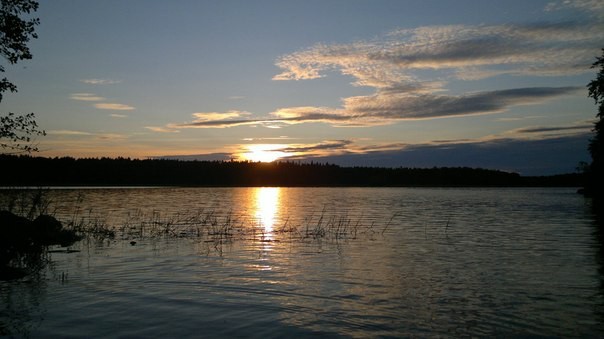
{"points": [[23, 241]]}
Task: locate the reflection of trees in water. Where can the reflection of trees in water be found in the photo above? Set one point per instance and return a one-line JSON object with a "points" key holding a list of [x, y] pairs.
{"points": [[21, 305], [597, 211]]}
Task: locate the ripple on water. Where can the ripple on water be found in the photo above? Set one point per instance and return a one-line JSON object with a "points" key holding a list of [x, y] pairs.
{"points": [[431, 262]]}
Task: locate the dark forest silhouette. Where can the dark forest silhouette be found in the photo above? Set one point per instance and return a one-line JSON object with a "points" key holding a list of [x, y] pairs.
{"points": [[25, 170], [595, 182]]}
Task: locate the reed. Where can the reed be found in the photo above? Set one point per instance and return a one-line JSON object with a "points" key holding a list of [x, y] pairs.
{"points": [[26, 203], [207, 225], [210, 226]]}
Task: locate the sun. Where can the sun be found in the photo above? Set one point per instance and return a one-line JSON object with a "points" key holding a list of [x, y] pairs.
{"points": [[264, 152]]}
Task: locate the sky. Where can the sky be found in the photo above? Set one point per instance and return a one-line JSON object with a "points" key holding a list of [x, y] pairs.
{"points": [[491, 84]]}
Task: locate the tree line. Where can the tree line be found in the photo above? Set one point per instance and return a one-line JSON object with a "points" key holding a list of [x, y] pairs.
{"points": [[26, 170]]}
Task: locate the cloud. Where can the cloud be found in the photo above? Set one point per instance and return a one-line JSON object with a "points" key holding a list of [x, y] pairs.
{"points": [[534, 151], [529, 130], [388, 108], [217, 120], [216, 123], [282, 137], [67, 132], [539, 150], [544, 132], [580, 130], [592, 7], [425, 106], [161, 129], [100, 104], [520, 118], [329, 145], [113, 106], [409, 69], [121, 116], [381, 109], [525, 156], [100, 81], [86, 97], [460, 51], [249, 151], [218, 116], [111, 136], [82, 136]]}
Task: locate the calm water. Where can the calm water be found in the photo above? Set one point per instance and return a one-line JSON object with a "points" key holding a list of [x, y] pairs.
{"points": [[424, 262]]}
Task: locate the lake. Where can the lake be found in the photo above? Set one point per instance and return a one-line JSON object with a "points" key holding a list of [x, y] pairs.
{"points": [[335, 262]]}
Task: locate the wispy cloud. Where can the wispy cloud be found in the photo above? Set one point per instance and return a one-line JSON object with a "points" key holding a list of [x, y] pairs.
{"points": [[554, 129], [218, 116], [592, 7], [161, 129], [519, 118], [220, 123], [216, 120], [264, 152], [526, 150], [100, 81], [120, 116], [580, 127], [380, 109], [67, 132], [552, 155], [113, 106], [409, 68], [283, 137], [111, 136], [86, 97], [409, 71], [100, 103], [330, 146], [81, 135], [359, 147], [460, 51], [386, 108]]}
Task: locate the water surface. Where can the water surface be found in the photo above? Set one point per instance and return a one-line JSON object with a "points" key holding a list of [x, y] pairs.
{"points": [[422, 262]]}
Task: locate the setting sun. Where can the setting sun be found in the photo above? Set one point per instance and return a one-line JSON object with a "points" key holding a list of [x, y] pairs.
{"points": [[264, 152]]}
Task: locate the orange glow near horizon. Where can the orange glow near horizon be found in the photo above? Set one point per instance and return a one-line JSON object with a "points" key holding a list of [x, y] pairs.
{"points": [[264, 152], [267, 206]]}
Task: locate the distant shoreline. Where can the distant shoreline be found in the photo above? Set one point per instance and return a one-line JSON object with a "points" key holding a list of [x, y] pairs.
{"points": [[71, 173], [92, 187]]}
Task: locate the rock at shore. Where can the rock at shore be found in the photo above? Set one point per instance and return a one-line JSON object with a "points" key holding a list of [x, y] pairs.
{"points": [[22, 241]]}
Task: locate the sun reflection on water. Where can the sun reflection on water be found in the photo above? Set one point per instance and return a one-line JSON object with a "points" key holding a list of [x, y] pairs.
{"points": [[267, 207]]}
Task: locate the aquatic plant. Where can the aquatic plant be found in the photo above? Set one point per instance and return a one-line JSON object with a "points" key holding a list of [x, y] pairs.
{"points": [[210, 226]]}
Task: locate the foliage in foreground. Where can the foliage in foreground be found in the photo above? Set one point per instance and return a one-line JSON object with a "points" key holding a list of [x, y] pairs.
{"points": [[17, 132], [596, 170]]}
